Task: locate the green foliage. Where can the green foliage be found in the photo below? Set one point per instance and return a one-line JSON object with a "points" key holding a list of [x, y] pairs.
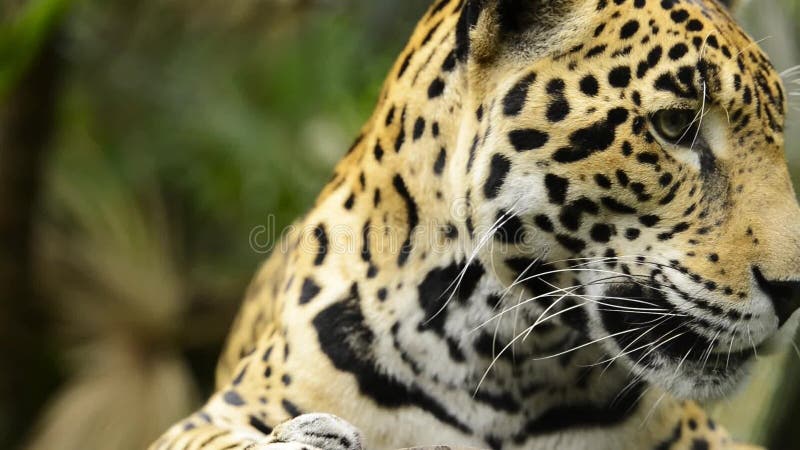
{"points": [[22, 36], [232, 125]]}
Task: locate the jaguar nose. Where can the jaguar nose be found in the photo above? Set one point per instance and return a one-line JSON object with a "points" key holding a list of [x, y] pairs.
{"points": [[784, 294]]}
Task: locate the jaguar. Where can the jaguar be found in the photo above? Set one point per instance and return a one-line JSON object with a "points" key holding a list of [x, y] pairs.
{"points": [[568, 224]]}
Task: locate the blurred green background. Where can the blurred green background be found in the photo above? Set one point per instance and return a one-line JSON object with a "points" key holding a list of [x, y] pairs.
{"points": [[140, 144]]}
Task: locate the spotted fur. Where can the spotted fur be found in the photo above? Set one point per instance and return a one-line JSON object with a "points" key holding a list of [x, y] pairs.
{"points": [[511, 255]]}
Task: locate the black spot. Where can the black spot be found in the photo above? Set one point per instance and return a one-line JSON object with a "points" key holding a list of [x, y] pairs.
{"points": [[671, 194], [259, 425], [498, 170], [572, 214], [632, 233], [472, 150], [556, 188], [348, 203], [400, 140], [677, 51], [412, 217], [589, 85], [638, 125], [620, 77], [499, 402], [450, 231], [641, 71], [535, 275], [595, 51], [543, 222], [602, 181], [366, 255], [404, 64], [570, 218], [381, 294], [627, 148], [629, 29], [694, 25], [594, 138], [238, 380], [233, 398], [654, 56], [667, 82], [700, 444], [449, 62], [558, 110], [419, 128], [555, 87], [390, 116], [291, 408], [680, 227], [309, 290], [436, 88], [438, 166], [649, 220], [679, 15], [510, 228], [601, 233], [572, 244], [430, 33], [617, 206], [647, 158], [355, 144], [514, 100], [439, 286], [527, 139], [438, 7], [322, 238], [378, 152]]}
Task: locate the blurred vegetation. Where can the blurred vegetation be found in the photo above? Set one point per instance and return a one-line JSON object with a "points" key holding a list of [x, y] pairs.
{"points": [[141, 142]]}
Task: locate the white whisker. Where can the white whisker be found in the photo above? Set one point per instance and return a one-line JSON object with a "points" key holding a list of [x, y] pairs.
{"points": [[587, 344], [455, 284]]}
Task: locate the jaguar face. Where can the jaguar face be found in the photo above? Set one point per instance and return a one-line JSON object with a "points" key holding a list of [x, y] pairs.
{"points": [[637, 164]]}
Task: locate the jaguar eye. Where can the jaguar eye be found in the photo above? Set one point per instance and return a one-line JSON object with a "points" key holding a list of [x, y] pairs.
{"points": [[677, 126]]}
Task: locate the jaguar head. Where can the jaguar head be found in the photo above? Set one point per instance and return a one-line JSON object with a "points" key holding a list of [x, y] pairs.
{"points": [[629, 154]]}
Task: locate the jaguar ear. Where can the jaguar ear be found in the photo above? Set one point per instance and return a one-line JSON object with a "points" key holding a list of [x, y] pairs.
{"points": [[487, 27]]}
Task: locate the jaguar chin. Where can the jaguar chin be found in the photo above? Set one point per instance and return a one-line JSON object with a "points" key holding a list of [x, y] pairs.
{"points": [[684, 343]]}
